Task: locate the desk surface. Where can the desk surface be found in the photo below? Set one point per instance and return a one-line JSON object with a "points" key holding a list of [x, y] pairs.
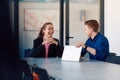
{"points": [[66, 70]]}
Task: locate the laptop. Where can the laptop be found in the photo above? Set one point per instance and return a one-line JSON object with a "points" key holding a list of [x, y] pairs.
{"points": [[71, 53]]}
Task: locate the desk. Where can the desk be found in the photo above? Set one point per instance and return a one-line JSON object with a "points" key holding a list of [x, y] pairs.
{"points": [[66, 70]]}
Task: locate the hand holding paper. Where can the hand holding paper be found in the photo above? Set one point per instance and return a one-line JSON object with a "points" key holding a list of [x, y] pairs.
{"points": [[71, 53]]}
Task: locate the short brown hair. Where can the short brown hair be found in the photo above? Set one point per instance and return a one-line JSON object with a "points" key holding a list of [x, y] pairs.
{"points": [[92, 24]]}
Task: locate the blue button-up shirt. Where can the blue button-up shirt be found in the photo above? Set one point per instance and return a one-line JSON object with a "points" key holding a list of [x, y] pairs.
{"points": [[100, 44]]}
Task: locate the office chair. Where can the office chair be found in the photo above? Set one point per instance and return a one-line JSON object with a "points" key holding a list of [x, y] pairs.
{"points": [[26, 73], [41, 73], [112, 58], [34, 74], [28, 52], [112, 54], [24, 70]]}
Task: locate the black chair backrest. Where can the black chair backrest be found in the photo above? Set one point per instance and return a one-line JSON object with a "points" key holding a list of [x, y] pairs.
{"points": [[42, 73], [112, 54], [24, 70], [113, 59], [28, 52]]}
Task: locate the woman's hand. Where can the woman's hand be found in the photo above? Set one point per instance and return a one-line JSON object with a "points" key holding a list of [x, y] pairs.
{"points": [[45, 41], [52, 41]]}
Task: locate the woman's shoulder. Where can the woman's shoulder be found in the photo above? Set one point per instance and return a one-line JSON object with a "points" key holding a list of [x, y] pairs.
{"points": [[56, 39], [38, 39]]}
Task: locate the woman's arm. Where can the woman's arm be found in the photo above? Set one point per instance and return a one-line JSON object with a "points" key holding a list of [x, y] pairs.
{"points": [[59, 49], [38, 48]]}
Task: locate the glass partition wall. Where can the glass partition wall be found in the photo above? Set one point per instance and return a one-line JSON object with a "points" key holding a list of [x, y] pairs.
{"points": [[67, 16], [79, 11]]}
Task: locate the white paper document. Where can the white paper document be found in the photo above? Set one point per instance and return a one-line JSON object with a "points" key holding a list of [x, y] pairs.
{"points": [[71, 53]]}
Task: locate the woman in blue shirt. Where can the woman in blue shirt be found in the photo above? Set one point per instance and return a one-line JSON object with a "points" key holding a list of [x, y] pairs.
{"points": [[96, 45]]}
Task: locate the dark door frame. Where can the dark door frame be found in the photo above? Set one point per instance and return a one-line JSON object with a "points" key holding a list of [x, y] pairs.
{"points": [[102, 17], [67, 24], [16, 25], [61, 34], [67, 37]]}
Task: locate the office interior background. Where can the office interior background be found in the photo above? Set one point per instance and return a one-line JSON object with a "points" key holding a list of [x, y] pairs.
{"points": [[31, 14]]}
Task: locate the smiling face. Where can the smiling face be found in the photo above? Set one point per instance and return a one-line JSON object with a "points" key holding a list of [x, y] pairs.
{"points": [[49, 30]]}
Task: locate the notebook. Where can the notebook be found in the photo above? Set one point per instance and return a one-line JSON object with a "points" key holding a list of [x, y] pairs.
{"points": [[71, 53]]}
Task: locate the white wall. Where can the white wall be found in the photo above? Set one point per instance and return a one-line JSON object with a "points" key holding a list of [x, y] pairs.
{"points": [[76, 26], [112, 24]]}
